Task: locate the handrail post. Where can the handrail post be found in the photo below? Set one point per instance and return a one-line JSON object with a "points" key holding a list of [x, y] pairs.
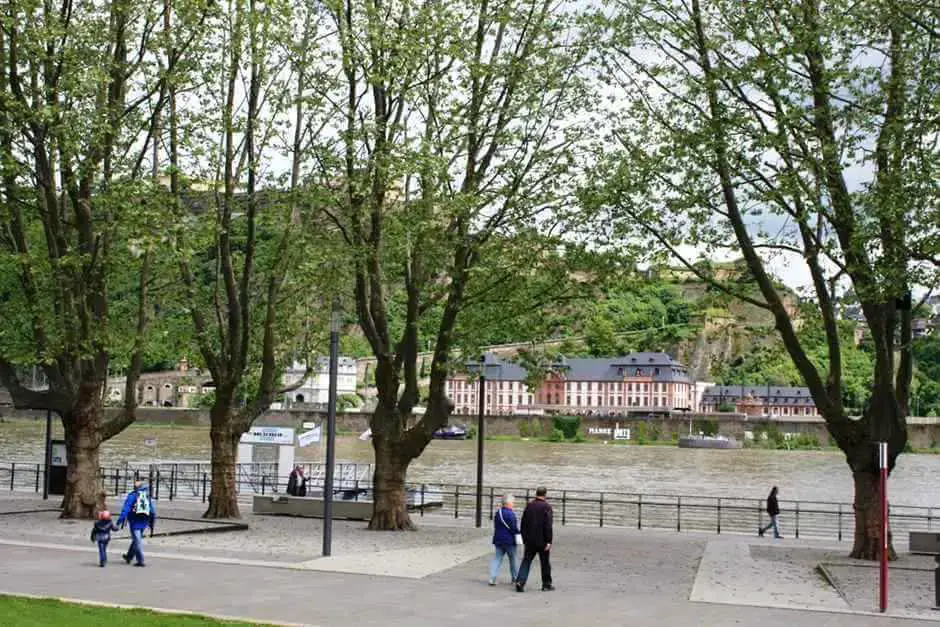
{"points": [[37, 478], [639, 511], [797, 519], [205, 481], [564, 499], [12, 474], [602, 509], [719, 515], [840, 522], [456, 500], [678, 513], [423, 488], [492, 502], [263, 481]]}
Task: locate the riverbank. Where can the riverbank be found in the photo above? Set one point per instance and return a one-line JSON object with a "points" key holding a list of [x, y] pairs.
{"points": [[805, 475]]}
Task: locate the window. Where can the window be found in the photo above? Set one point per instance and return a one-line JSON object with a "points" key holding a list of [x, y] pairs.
{"points": [[655, 370], [637, 373], [619, 400], [579, 387], [646, 387], [557, 399], [568, 400], [579, 401]]}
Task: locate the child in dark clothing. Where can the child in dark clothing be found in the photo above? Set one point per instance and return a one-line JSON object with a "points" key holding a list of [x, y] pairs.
{"points": [[101, 533]]}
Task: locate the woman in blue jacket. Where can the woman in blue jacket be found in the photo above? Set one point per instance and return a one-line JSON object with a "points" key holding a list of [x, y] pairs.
{"points": [[505, 534]]}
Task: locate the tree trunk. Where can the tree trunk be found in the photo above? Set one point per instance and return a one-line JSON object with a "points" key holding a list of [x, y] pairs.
{"points": [[82, 427], [223, 497], [867, 545], [390, 504]]}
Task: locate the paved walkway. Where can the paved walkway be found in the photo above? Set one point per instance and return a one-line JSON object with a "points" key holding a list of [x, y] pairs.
{"points": [[603, 577]]}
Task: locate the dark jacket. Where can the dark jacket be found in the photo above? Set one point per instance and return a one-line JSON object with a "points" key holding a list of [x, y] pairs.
{"points": [[137, 521], [101, 532], [297, 484], [504, 533], [772, 508], [537, 524]]}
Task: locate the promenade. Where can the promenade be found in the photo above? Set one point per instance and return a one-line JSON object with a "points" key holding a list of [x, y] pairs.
{"points": [[438, 576]]}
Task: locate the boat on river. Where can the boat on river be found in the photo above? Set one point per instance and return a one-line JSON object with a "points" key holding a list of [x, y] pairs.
{"points": [[708, 441], [450, 433]]}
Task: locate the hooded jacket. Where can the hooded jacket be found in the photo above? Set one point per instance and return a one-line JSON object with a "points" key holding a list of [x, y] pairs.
{"points": [[137, 521], [101, 532]]}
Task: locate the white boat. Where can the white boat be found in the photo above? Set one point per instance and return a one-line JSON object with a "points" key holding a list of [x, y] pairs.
{"points": [[708, 441]]}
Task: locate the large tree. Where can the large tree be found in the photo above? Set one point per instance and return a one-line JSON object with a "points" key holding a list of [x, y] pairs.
{"points": [[238, 208], [791, 133], [79, 88], [455, 150]]}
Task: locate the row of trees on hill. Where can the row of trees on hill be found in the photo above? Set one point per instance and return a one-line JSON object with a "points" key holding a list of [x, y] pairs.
{"points": [[219, 172]]}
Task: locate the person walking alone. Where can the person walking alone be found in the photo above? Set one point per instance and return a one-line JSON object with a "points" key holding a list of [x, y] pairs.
{"points": [[537, 540], [140, 512], [505, 534], [773, 510]]}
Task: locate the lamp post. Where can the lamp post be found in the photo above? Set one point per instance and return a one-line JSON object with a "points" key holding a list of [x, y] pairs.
{"points": [[45, 478], [480, 433], [335, 323]]}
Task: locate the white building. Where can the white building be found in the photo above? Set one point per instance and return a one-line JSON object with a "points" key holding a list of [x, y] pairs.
{"points": [[315, 388]]}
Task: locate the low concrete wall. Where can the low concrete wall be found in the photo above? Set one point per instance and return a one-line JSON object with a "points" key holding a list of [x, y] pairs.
{"points": [[310, 507]]}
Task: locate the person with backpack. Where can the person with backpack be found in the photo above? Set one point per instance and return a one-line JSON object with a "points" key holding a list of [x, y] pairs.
{"points": [[101, 533], [140, 512]]}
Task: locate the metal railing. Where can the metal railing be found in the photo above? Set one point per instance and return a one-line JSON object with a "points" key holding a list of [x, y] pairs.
{"points": [[736, 515]]}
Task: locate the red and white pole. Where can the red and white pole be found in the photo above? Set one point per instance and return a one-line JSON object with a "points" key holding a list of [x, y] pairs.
{"points": [[883, 466]]}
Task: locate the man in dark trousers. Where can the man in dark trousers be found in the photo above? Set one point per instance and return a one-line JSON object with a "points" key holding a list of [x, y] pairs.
{"points": [[537, 538]]}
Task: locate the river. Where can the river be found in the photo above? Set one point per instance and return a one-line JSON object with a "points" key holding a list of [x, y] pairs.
{"points": [[801, 475]]}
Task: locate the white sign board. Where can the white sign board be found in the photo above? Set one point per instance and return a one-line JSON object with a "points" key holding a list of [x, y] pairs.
{"points": [[309, 437], [58, 454], [621, 434], [309, 425], [269, 435]]}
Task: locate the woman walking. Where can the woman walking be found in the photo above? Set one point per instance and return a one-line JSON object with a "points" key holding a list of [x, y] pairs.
{"points": [[773, 510], [505, 538]]}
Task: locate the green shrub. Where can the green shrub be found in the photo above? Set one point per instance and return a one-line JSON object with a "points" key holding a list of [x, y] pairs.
{"points": [[707, 427], [472, 432], [523, 428], [568, 425], [557, 436], [579, 438], [727, 407], [535, 428]]}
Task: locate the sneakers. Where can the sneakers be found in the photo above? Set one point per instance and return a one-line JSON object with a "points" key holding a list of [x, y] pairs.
{"points": [[520, 587], [548, 588], [139, 564], [126, 558], [760, 532], [101, 564], [492, 582]]}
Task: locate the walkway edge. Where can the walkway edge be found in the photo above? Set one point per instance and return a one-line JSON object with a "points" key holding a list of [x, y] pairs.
{"points": [[156, 610]]}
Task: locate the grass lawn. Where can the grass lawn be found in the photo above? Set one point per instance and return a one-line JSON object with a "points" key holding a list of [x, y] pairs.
{"points": [[26, 612]]}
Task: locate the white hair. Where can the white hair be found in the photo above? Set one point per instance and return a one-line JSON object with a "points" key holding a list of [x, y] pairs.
{"points": [[507, 499]]}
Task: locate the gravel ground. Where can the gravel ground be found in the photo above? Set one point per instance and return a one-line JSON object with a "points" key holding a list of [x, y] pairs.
{"points": [[272, 538], [910, 577]]}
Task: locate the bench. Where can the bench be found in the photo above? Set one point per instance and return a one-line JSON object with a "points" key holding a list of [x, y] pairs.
{"points": [[310, 507], [925, 543]]}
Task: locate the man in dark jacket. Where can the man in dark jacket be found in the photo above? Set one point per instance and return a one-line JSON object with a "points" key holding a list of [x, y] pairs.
{"points": [[773, 510], [537, 538]]}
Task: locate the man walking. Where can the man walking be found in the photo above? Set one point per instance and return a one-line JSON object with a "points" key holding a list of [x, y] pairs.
{"points": [[773, 510], [140, 512], [537, 538]]}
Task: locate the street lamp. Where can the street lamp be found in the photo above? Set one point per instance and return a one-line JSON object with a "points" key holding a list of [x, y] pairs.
{"points": [[481, 368], [336, 322]]}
